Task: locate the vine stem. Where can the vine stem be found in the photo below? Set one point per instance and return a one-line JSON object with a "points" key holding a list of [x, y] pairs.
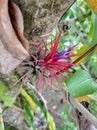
{"points": [[85, 54]]}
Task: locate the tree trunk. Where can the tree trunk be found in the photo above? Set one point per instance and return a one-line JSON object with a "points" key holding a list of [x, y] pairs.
{"points": [[41, 17]]}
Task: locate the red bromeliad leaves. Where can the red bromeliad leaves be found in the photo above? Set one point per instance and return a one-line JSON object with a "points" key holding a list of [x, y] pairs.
{"points": [[54, 63], [53, 49]]}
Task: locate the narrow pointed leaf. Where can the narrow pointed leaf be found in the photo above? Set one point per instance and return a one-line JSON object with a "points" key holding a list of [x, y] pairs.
{"points": [[50, 122]]}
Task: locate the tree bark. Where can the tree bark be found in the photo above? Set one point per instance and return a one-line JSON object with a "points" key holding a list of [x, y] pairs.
{"points": [[41, 17]]}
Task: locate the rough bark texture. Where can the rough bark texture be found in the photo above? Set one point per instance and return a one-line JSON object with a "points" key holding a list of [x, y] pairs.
{"points": [[41, 16], [15, 119]]}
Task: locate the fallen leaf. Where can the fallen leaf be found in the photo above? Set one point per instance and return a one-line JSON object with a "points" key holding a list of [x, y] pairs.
{"points": [[7, 62], [18, 24], [13, 45], [8, 35]]}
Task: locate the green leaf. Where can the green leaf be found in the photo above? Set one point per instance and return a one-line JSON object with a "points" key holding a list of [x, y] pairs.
{"points": [[94, 36], [46, 113], [94, 68], [81, 84], [81, 51], [37, 102], [50, 122], [3, 89], [8, 100], [28, 115], [90, 34]]}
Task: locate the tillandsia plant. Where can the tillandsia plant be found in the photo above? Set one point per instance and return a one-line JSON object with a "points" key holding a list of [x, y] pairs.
{"points": [[53, 64]]}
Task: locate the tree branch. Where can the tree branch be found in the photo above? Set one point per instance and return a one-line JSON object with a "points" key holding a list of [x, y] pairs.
{"points": [[80, 108]]}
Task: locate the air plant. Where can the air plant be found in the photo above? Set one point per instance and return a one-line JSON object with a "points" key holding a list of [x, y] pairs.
{"points": [[53, 64]]}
